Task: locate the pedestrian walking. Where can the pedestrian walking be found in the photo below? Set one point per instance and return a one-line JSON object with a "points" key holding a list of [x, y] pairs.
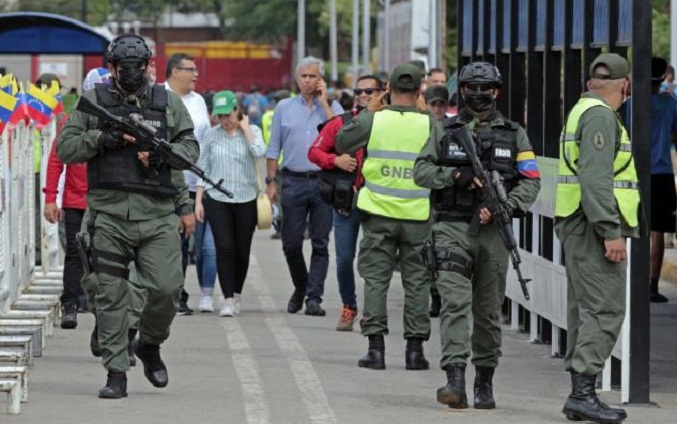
{"points": [[397, 214], [294, 130], [131, 216], [472, 261]]}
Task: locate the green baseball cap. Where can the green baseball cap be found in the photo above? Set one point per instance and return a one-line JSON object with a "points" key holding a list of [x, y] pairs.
{"points": [[223, 103], [618, 67], [406, 77], [436, 92]]}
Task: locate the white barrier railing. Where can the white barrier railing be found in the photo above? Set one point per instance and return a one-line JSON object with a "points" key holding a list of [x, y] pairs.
{"points": [[549, 286], [18, 209]]}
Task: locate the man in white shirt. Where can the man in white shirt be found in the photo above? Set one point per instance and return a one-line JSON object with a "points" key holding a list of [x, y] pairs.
{"points": [[181, 77]]}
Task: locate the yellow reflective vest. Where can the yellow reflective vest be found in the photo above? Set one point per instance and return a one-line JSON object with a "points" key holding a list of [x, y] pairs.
{"points": [[389, 190], [625, 188]]}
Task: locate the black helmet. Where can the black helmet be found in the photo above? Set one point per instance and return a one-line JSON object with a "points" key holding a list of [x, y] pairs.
{"points": [[480, 72], [128, 46]]}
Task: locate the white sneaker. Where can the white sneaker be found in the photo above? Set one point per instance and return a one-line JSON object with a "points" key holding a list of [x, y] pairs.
{"points": [[206, 304], [237, 304], [228, 308]]}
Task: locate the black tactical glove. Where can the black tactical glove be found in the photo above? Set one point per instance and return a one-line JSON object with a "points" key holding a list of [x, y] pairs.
{"points": [[155, 159], [465, 177], [111, 138]]}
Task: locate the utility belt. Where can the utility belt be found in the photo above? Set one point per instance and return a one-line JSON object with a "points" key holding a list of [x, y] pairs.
{"points": [[446, 217], [443, 260], [89, 254]]}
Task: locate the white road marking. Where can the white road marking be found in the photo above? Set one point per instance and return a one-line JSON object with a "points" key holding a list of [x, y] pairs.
{"points": [[247, 370], [306, 378]]}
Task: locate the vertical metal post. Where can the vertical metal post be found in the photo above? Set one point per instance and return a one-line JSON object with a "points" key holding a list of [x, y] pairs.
{"points": [[640, 328], [366, 35], [301, 30], [356, 40], [386, 38], [432, 35], [333, 40]]}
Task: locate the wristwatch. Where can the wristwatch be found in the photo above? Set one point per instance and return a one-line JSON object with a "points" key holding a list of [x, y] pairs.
{"points": [[269, 180]]}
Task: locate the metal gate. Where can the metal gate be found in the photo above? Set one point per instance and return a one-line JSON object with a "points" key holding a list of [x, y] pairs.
{"points": [[543, 49]]}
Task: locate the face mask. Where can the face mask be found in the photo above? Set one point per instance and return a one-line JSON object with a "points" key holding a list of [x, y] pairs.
{"points": [[480, 101], [132, 78]]}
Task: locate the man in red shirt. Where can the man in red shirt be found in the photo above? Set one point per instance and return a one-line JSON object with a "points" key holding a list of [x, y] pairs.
{"points": [[346, 219], [72, 210]]}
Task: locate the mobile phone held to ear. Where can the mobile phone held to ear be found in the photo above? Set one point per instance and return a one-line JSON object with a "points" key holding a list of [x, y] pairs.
{"points": [[386, 98], [239, 115]]}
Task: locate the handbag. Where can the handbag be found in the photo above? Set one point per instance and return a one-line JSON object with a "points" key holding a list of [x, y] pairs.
{"points": [[264, 209]]}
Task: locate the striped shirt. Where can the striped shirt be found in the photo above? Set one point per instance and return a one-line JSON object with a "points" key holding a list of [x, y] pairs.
{"points": [[229, 157]]}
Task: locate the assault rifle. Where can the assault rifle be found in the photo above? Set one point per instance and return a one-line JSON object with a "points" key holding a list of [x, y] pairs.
{"points": [[146, 133], [494, 197]]}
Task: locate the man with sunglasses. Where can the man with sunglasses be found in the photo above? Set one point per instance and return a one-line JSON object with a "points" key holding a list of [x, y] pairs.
{"points": [[346, 220], [131, 214], [472, 261]]}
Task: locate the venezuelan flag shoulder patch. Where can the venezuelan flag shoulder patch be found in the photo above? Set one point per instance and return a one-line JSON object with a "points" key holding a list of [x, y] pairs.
{"points": [[527, 165]]}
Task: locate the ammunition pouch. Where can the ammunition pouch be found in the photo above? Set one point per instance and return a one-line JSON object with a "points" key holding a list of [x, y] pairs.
{"points": [[336, 188]]}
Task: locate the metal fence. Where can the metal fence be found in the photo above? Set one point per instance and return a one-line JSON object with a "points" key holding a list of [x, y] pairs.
{"points": [[18, 209], [544, 48]]}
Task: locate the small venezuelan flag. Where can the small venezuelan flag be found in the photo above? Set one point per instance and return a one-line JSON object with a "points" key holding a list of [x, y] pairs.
{"points": [[527, 165]]}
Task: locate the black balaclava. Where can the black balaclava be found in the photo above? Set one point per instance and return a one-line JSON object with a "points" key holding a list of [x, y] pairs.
{"points": [[132, 76]]}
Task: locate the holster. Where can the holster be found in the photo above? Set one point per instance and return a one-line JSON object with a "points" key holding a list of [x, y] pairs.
{"points": [[84, 253], [429, 256]]}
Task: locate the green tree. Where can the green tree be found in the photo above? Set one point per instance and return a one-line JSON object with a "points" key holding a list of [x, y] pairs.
{"points": [[661, 29], [95, 11]]}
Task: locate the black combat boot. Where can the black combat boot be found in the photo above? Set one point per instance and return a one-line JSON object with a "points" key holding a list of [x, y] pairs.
{"points": [[116, 386], [583, 404], [435, 303], [131, 336], [69, 315], [94, 342], [453, 394], [413, 355], [484, 388], [375, 357], [621, 412], [153, 367]]}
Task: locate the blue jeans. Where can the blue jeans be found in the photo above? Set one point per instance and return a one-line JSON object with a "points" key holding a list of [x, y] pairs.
{"points": [[205, 255], [346, 229], [302, 199]]}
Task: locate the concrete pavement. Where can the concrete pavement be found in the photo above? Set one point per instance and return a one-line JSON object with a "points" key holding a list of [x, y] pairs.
{"points": [[267, 366]]}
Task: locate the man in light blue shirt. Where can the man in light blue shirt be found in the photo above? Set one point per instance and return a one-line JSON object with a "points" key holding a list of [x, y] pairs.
{"points": [[294, 129]]}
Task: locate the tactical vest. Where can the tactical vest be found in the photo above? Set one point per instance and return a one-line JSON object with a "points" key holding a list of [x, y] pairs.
{"points": [[497, 149], [120, 169], [389, 190], [625, 176], [336, 185]]}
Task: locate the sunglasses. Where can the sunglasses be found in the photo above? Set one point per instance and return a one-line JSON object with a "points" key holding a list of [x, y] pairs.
{"points": [[367, 91]]}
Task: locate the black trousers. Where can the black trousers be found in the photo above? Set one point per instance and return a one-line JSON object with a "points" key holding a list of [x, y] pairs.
{"points": [[72, 267], [233, 227]]}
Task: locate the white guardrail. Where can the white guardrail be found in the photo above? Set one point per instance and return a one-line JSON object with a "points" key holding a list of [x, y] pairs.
{"points": [[549, 283], [18, 209]]}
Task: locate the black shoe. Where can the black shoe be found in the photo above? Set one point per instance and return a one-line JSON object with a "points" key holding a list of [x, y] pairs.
{"points": [[153, 367], [69, 315], [453, 394], [583, 404], [313, 308], [276, 236], [295, 302], [131, 336], [183, 308], [654, 297], [435, 305], [484, 388], [375, 357], [94, 342], [414, 358], [116, 386]]}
